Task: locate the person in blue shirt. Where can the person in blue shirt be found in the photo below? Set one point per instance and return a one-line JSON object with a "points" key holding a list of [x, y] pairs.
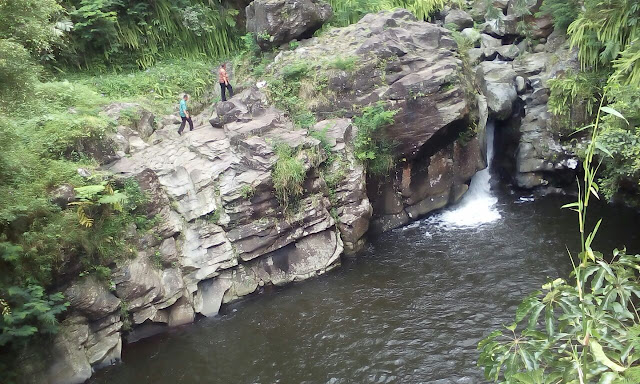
{"points": [[184, 114]]}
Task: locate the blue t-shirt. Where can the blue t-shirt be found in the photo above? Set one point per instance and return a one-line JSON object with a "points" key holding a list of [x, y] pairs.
{"points": [[183, 108]]}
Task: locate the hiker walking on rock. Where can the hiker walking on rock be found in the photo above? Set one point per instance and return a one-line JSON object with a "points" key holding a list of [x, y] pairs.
{"points": [[184, 114], [223, 79]]}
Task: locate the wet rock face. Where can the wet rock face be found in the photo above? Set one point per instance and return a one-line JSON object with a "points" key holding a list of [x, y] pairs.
{"points": [[275, 22]]}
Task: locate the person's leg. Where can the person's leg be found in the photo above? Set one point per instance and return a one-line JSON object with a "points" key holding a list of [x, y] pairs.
{"points": [[230, 90], [184, 121], [190, 123], [222, 92]]}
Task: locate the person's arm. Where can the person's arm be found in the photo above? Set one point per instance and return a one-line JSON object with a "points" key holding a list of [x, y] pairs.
{"points": [[226, 77]]}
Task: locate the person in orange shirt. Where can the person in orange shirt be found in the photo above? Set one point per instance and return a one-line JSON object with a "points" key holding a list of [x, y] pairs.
{"points": [[223, 79]]}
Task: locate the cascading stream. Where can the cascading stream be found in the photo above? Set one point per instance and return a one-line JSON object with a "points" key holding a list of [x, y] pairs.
{"points": [[478, 205]]}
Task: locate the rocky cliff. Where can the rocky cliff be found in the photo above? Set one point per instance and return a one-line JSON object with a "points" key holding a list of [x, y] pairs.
{"points": [[223, 231]]}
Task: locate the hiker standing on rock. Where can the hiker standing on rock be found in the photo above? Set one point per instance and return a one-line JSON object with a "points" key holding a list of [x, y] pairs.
{"points": [[184, 114], [223, 79]]}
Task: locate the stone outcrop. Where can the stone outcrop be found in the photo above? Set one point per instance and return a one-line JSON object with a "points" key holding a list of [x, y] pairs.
{"points": [[223, 233], [407, 65], [275, 22], [514, 79], [459, 18], [411, 67]]}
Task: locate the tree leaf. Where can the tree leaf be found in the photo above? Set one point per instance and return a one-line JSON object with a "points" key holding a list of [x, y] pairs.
{"points": [[613, 112], [600, 356]]}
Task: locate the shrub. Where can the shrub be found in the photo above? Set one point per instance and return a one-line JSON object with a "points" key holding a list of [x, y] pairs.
{"points": [[295, 71], [27, 311], [563, 12], [18, 73], [372, 147], [247, 192], [621, 141], [344, 63], [288, 175], [574, 97]]}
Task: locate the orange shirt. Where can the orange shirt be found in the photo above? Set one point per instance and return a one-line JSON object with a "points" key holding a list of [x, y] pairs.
{"points": [[222, 75]]}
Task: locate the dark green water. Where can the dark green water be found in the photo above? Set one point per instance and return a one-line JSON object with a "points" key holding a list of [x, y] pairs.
{"points": [[410, 310]]}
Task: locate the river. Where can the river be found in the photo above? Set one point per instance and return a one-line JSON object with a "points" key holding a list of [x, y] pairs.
{"points": [[411, 309]]}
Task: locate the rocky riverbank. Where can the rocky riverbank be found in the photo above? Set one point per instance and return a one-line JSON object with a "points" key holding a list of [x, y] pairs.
{"points": [[222, 232]]}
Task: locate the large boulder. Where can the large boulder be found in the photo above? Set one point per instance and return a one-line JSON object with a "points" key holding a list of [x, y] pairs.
{"points": [[405, 64], [275, 22], [91, 298], [497, 83], [459, 18]]}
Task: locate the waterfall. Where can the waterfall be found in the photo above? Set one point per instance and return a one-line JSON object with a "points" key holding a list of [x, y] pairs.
{"points": [[478, 205]]}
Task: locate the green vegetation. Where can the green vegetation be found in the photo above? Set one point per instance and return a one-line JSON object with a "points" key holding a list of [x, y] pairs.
{"points": [[292, 89], [247, 192], [288, 175], [606, 34], [137, 31], [344, 63], [620, 143], [351, 11], [563, 12], [372, 147], [160, 85], [28, 311], [573, 99], [585, 330]]}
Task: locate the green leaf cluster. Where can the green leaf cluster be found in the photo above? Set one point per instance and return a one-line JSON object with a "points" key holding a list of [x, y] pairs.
{"points": [[371, 145], [27, 312], [139, 31], [288, 175]]}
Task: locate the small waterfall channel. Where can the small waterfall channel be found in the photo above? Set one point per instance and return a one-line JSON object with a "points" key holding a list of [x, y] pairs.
{"points": [[478, 205]]}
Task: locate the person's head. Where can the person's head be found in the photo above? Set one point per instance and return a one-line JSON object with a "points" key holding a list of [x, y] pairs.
{"points": [[186, 97], [223, 65]]}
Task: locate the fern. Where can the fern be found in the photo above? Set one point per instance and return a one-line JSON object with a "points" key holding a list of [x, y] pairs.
{"points": [[603, 28], [97, 195], [627, 66]]}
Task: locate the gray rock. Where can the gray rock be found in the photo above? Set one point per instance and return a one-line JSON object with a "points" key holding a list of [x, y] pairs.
{"points": [[169, 252], [91, 298], [503, 26], [497, 82], [479, 8], [386, 223], [275, 22], [459, 18], [181, 313], [311, 256], [63, 195], [137, 282], [533, 6], [476, 55], [210, 293], [70, 364], [471, 35], [508, 52], [521, 85]]}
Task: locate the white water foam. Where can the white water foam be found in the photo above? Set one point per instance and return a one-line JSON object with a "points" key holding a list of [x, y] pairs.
{"points": [[478, 205]]}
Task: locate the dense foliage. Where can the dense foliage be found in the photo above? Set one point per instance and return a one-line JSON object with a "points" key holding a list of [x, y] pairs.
{"points": [[130, 30], [372, 145], [585, 330], [606, 34], [563, 12]]}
